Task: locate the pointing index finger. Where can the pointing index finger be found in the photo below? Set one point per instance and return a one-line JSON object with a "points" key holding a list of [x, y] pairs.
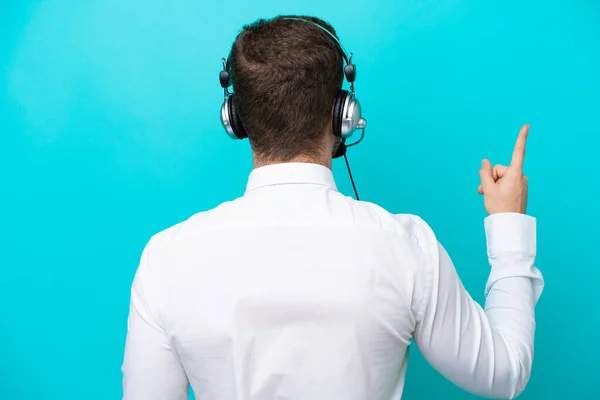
{"points": [[519, 153]]}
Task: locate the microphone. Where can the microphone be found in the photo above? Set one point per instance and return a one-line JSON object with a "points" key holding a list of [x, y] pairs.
{"points": [[341, 150]]}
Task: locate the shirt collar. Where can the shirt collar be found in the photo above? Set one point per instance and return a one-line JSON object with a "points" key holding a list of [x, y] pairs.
{"points": [[290, 173]]}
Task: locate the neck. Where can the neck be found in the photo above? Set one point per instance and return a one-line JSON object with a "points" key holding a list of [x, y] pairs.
{"points": [[263, 162]]}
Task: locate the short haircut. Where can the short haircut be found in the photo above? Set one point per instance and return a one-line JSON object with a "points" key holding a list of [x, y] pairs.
{"points": [[285, 75]]}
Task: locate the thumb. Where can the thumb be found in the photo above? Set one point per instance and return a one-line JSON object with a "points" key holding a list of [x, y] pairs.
{"points": [[486, 174]]}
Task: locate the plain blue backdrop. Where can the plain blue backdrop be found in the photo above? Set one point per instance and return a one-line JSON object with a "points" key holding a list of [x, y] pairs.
{"points": [[110, 133]]}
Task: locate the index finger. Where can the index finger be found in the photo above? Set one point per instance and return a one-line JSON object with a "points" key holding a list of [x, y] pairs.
{"points": [[519, 153]]}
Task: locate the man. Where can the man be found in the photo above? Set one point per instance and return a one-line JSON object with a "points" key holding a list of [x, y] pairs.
{"points": [[295, 291]]}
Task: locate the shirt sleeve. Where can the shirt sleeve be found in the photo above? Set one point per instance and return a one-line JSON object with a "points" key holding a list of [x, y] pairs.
{"points": [[151, 370], [488, 352]]}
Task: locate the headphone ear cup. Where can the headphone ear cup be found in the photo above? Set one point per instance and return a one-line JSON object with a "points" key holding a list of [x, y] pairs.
{"points": [[338, 114], [236, 124]]}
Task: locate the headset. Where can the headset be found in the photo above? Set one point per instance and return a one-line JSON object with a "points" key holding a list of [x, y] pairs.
{"points": [[347, 112]]}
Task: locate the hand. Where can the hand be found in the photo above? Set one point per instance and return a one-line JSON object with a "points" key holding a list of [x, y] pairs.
{"points": [[504, 188]]}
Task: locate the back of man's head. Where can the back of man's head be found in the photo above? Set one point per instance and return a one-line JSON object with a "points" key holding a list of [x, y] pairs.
{"points": [[286, 75]]}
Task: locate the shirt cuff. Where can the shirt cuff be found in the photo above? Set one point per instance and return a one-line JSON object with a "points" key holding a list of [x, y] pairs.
{"points": [[511, 244], [510, 233]]}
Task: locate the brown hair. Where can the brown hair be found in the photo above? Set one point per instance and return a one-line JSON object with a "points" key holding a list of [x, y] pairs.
{"points": [[285, 75]]}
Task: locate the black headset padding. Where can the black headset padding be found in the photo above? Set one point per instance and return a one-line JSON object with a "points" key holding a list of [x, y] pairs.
{"points": [[236, 124], [341, 150], [338, 106]]}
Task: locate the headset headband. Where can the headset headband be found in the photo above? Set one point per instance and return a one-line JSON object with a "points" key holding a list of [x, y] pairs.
{"points": [[327, 31], [349, 69]]}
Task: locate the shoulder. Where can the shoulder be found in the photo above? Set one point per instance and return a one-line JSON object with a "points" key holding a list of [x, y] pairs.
{"points": [[405, 224], [169, 239], [422, 232]]}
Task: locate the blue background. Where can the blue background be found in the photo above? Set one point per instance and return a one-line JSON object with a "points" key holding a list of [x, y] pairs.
{"points": [[109, 133]]}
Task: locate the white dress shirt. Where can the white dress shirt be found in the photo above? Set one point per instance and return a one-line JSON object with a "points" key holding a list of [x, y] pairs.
{"points": [[295, 291]]}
